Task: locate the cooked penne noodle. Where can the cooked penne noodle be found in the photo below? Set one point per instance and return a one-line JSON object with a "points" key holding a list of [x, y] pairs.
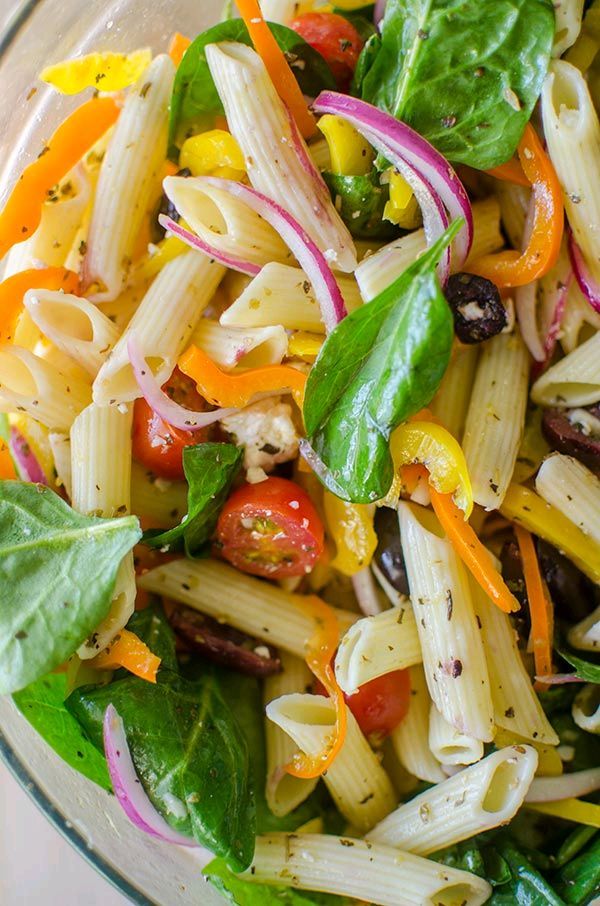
{"points": [[568, 14], [361, 789], [578, 315], [586, 634], [30, 384], [60, 444], [281, 294], [451, 402], [496, 417], [129, 178], [586, 709], [355, 868], [277, 160], [160, 503], [574, 380], [377, 645], [250, 347], [453, 655], [410, 739], [568, 485], [281, 11], [121, 609], [283, 791], [448, 745], [162, 324], [255, 607], [514, 206], [77, 327], [482, 796]]}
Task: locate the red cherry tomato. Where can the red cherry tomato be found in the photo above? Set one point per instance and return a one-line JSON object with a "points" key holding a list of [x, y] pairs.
{"points": [[157, 445], [380, 705], [334, 38], [270, 529]]}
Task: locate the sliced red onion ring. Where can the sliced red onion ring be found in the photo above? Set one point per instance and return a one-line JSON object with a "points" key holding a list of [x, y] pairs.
{"points": [[127, 786], [195, 242], [159, 402], [587, 284], [365, 590], [565, 786], [404, 147], [27, 465], [309, 256], [526, 308], [379, 11], [559, 679], [560, 301], [319, 468]]}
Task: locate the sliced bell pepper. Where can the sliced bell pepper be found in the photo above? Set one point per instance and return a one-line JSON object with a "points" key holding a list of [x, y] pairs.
{"points": [[350, 525], [127, 650], [540, 608], [105, 71], [569, 810], [213, 153], [14, 288], [177, 47], [351, 154]]}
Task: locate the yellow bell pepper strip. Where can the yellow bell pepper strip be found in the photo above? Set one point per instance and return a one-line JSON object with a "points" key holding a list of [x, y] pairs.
{"points": [[277, 66], [14, 288], [540, 609], [166, 250], [351, 154], [524, 507], [213, 153], [104, 71], [350, 526], [177, 47], [549, 762], [402, 208], [513, 268], [569, 810], [73, 138], [320, 651], [237, 390], [127, 650], [472, 552], [305, 345], [428, 443]]}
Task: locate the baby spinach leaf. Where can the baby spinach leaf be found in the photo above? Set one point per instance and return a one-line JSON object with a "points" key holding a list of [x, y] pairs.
{"points": [[57, 576], [195, 100], [579, 880], [464, 73], [361, 204], [42, 703], [479, 857], [209, 471], [526, 886], [381, 364], [153, 628], [361, 19], [245, 893], [585, 670]]}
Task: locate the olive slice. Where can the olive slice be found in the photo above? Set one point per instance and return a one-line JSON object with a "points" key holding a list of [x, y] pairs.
{"points": [[476, 306], [568, 436]]}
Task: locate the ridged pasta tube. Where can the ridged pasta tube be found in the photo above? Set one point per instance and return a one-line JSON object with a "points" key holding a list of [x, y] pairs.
{"points": [[410, 739], [451, 402], [448, 745], [568, 485], [249, 347], [574, 380]]}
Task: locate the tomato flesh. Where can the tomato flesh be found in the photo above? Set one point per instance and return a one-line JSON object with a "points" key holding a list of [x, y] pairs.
{"points": [[270, 529], [335, 39], [379, 705]]}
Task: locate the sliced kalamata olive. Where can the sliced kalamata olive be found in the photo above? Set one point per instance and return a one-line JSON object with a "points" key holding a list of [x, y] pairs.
{"points": [[476, 306], [165, 206], [225, 645], [574, 595], [565, 434], [512, 573], [388, 556]]}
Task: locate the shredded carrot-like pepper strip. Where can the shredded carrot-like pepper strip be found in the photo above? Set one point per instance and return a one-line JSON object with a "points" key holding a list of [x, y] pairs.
{"points": [[76, 135], [511, 171], [237, 390], [7, 468], [14, 288], [177, 47], [130, 652], [540, 609], [277, 66], [320, 651]]}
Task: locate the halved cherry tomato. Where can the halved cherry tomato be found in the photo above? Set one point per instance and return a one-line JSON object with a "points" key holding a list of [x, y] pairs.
{"points": [[334, 38], [380, 705], [270, 529], [157, 445]]}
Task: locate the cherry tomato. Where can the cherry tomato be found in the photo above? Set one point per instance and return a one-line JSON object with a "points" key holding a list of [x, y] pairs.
{"points": [[380, 705], [157, 445], [270, 529], [334, 38]]}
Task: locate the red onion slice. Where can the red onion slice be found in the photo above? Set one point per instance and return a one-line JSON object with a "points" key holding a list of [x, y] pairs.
{"points": [[403, 147], [526, 308], [565, 786], [27, 465], [195, 242], [587, 284], [127, 786], [309, 256], [559, 679], [171, 412], [379, 12], [365, 590]]}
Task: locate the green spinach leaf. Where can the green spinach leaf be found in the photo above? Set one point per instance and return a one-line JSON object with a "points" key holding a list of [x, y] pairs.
{"points": [[585, 670], [57, 576], [464, 73], [42, 703], [245, 893], [381, 364], [526, 886], [579, 880], [361, 19], [478, 856], [195, 100], [361, 204], [209, 471]]}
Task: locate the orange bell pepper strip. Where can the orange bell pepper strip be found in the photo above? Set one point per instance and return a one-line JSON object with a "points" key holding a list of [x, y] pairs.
{"points": [[177, 47], [278, 68], [513, 268], [237, 390], [320, 651], [14, 288], [7, 468], [511, 171], [540, 609], [76, 135], [127, 650]]}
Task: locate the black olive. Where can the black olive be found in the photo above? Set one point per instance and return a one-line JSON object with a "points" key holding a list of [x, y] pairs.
{"points": [[165, 206], [568, 437], [476, 306], [388, 556], [574, 595]]}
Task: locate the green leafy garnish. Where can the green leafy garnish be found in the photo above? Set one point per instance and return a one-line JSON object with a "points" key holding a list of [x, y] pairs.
{"points": [[381, 364], [361, 204], [57, 577], [465, 74], [526, 886], [245, 893], [585, 670], [42, 703], [209, 471], [195, 101]]}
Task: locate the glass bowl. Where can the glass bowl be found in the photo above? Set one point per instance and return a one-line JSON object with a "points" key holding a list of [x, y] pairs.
{"points": [[34, 33]]}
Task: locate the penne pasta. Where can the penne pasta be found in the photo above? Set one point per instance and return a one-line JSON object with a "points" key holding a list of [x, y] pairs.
{"points": [[574, 380], [451, 403], [250, 347], [159, 503], [568, 485], [60, 444], [281, 11], [448, 745], [586, 634], [586, 709], [577, 316], [410, 739], [568, 15]]}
